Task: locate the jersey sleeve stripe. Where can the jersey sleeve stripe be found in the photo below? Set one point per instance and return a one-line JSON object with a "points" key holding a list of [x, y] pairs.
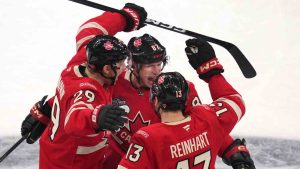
{"points": [[121, 167], [234, 106], [93, 25], [86, 26], [80, 42], [91, 149], [240, 97], [72, 109]]}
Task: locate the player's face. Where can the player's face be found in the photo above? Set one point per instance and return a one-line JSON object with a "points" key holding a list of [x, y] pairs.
{"points": [[149, 72]]}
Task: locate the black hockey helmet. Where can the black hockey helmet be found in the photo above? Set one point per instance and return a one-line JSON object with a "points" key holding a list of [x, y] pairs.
{"points": [[171, 89], [146, 49], [105, 50]]}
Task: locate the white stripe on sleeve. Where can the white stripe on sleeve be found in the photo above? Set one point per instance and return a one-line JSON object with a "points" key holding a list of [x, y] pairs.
{"points": [[82, 104], [86, 26], [234, 106], [121, 167], [91, 149]]}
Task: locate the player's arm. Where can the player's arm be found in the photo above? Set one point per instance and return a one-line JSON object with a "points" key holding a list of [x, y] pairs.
{"points": [[193, 98], [137, 154], [233, 152], [86, 115], [202, 57], [228, 103], [130, 18]]}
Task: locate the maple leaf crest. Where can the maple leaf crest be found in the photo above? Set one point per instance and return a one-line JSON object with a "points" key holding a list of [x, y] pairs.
{"points": [[136, 123], [108, 45]]}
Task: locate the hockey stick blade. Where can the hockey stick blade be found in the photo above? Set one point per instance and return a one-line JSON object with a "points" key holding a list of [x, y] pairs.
{"points": [[243, 63], [13, 147]]}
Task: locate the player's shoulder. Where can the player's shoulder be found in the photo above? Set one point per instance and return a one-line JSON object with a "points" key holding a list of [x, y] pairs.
{"points": [[74, 80], [203, 112], [123, 81], [191, 85], [124, 77], [150, 131]]}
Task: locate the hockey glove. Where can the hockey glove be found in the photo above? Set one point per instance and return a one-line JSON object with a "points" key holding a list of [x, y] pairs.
{"points": [[238, 156], [36, 121], [202, 58], [108, 117], [135, 16]]}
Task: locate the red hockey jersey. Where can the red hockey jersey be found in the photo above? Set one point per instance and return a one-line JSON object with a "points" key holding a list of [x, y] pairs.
{"points": [[70, 141], [191, 143], [141, 112]]}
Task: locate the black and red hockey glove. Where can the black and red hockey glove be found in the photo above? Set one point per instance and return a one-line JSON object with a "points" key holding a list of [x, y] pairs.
{"points": [[135, 16], [36, 121], [202, 58], [108, 117], [238, 156]]}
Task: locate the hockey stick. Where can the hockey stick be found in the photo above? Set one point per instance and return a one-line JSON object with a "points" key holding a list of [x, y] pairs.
{"points": [[13, 147], [243, 63]]}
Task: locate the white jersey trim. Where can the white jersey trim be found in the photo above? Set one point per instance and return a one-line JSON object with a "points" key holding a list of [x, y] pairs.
{"points": [[76, 71], [121, 167], [90, 25], [91, 149], [79, 43], [188, 118], [234, 106], [72, 109]]}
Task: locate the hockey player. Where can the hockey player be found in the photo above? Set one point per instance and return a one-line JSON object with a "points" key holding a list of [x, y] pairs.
{"points": [[148, 58], [191, 141], [130, 18], [81, 107], [137, 80], [132, 88]]}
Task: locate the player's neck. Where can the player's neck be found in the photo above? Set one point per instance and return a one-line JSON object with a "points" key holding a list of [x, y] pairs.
{"points": [[134, 80], [136, 83], [95, 76], [174, 116]]}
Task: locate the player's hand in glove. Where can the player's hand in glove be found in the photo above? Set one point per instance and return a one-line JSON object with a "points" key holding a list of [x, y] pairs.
{"points": [[36, 121], [238, 156], [202, 58], [135, 16], [108, 117]]}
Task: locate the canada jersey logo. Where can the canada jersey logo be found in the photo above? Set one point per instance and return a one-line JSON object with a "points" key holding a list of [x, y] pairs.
{"points": [[137, 42], [136, 123]]}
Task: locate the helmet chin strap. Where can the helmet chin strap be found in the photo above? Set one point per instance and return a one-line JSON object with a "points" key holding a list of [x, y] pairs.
{"points": [[113, 79]]}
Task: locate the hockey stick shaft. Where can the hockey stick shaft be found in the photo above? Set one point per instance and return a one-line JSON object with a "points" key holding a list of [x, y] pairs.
{"points": [[243, 63], [13, 147]]}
